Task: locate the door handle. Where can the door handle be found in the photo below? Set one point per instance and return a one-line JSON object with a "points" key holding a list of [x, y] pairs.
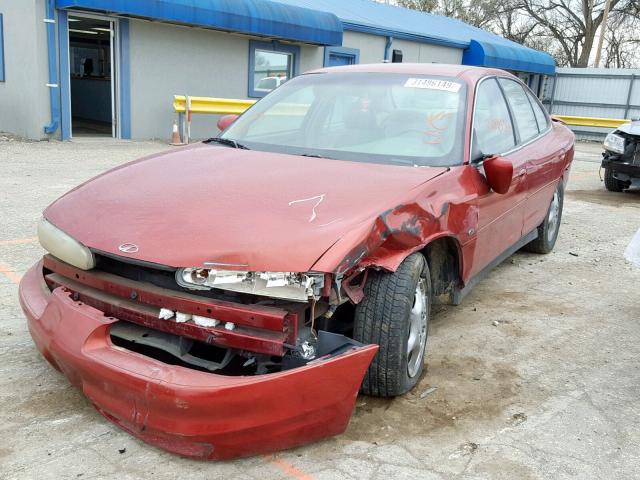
{"points": [[521, 173]]}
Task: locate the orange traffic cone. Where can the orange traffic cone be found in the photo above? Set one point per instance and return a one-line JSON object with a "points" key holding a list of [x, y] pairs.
{"points": [[175, 135]]}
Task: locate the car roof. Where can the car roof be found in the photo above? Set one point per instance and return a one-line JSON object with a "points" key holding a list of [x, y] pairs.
{"points": [[466, 72]]}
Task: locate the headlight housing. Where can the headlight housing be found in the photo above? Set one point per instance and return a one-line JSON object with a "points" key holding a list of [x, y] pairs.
{"points": [[614, 143], [64, 247], [285, 285]]}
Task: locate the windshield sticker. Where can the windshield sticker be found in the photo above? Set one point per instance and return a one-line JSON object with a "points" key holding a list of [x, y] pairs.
{"points": [[433, 84]]}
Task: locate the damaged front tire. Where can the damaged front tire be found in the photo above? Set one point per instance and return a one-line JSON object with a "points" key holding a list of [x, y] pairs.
{"points": [[394, 314]]}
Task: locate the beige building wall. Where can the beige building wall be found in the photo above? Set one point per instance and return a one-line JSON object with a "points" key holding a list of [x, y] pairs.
{"points": [[24, 95]]}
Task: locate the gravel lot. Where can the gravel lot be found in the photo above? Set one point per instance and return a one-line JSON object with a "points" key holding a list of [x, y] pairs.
{"points": [[536, 372]]}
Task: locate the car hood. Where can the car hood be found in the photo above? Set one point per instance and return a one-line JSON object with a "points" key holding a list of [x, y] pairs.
{"points": [[261, 211], [632, 128]]}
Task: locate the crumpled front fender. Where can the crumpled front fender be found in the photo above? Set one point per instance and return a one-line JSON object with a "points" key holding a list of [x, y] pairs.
{"points": [[446, 206]]}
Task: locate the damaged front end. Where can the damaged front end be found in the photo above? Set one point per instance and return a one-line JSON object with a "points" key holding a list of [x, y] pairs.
{"points": [[192, 368], [621, 158]]}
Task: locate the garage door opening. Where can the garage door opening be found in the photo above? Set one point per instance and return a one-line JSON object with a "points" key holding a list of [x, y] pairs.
{"points": [[92, 82]]}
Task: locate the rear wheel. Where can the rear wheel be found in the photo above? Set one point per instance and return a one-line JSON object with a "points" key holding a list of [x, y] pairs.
{"points": [[395, 315], [549, 228], [612, 183]]}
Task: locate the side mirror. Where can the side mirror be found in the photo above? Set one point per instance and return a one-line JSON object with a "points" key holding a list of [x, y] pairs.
{"points": [[499, 173], [225, 121]]}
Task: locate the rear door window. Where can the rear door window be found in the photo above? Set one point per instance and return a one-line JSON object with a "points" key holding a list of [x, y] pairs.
{"points": [[525, 119], [492, 128]]}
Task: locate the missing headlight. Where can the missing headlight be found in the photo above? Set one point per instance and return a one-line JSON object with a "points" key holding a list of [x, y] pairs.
{"points": [[284, 285]]}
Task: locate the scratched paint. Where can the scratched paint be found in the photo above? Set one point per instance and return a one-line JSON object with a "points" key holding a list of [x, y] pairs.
{"points": [[318, 200]]}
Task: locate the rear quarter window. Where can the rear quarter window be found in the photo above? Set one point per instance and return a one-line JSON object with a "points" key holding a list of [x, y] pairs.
{"points": [[541, 117], [525, 119]]}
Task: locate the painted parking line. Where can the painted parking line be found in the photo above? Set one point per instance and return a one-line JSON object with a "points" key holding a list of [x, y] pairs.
{"points": [[19, 241], [12, 275], [287, 468]]}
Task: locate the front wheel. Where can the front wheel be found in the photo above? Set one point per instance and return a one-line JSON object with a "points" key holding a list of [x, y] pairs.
{"points": [[395, 315], [549, 228]]}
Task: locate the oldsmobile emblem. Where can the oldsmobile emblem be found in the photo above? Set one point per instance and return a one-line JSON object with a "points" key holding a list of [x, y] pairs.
{"points": [[128, 248]]}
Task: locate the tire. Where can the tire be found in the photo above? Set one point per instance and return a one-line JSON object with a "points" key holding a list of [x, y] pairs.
{"points": [[612, 183], [393, 304], [549, 228]]}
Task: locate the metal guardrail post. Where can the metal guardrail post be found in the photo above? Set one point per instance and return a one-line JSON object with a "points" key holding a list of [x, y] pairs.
{"points": [[631, 82], [188, 113], [553, 92], [181, 125]]}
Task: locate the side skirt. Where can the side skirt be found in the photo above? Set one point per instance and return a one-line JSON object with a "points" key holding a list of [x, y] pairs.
{"points": [[460, 293]]}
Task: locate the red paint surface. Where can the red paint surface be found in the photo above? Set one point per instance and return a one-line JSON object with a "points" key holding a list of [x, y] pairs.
{"points": [[225, 121], [191, 413], [499, 173], [217, 204]]}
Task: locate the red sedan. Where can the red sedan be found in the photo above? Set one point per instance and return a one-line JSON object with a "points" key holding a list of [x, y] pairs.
{"points": [[232, 297]]}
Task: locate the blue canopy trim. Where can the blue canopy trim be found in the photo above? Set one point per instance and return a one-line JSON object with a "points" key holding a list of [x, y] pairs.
{"points": [[511, 57], [257, 17]]}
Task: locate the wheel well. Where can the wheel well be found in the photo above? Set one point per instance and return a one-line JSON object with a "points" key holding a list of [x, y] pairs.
{"points": [[442, 255]]}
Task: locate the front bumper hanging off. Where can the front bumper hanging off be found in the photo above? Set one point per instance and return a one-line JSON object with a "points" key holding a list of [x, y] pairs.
{"points": [[182, 410]]}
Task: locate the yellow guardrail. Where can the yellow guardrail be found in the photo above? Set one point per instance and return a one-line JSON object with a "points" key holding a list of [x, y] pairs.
{"points": [[188, 105], [591, 121], [222, 106], [185, 106]]}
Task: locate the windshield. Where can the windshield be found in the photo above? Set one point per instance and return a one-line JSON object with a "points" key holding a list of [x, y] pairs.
{"points": [[368, 117]]}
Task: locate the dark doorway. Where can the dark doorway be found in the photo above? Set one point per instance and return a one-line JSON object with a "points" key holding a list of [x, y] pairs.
{"points": [[92, 75]]}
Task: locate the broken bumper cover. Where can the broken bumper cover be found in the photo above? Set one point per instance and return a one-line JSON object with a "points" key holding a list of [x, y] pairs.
{"points": [[188, 412], [631, 167]]}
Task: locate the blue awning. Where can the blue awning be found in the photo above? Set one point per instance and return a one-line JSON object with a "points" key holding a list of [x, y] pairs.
{"points": [[511, 57], [481, 48], [257, 17]]}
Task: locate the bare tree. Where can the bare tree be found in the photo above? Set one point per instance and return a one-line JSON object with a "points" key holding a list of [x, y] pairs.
{"points": [[514, 26], [567, 29], [622, 39], [478, 13], [572, 24], [422, 5]]}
